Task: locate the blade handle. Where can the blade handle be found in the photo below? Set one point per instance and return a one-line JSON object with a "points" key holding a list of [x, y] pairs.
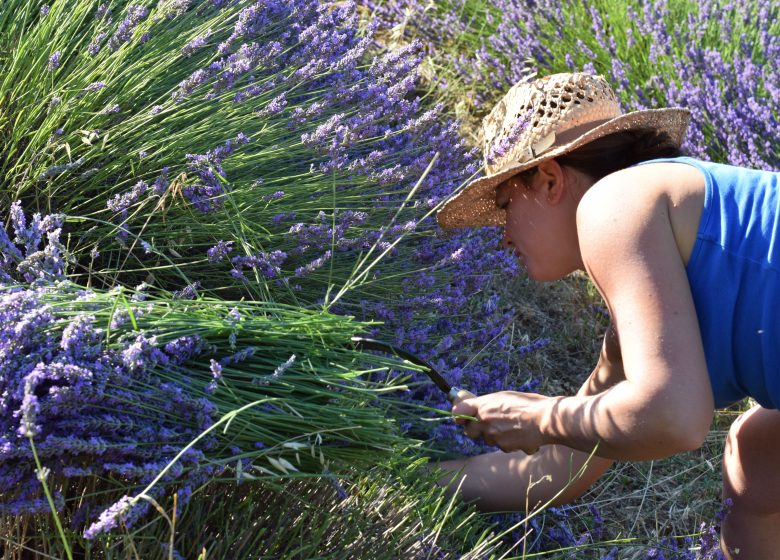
{"points": [[456, 395]]}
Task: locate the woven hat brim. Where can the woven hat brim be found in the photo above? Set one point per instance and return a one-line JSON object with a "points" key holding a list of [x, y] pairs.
{"points": [[475, 204]]}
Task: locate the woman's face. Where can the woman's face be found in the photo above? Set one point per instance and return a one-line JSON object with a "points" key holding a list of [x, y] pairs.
{"points": [[540, 225]]}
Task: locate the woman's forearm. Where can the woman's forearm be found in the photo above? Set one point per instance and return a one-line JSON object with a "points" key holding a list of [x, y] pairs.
{"points": [[626, 421]]}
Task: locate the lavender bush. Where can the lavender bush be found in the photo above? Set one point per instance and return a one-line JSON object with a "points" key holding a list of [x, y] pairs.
{"points": [[261, 150], [667, 53]]}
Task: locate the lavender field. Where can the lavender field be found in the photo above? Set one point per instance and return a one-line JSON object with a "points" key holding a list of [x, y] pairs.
{"points": [[203, 201]]}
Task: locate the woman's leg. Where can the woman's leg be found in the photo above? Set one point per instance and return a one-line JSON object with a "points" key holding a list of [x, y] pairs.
{"points": [[518, 482], [751, 480]]}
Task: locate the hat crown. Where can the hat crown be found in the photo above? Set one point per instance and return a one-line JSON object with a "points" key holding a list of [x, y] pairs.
{"points": [[548, 112]]}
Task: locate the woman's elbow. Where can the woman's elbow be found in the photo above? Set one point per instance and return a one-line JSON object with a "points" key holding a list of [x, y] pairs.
{"points": [[685, 430]]}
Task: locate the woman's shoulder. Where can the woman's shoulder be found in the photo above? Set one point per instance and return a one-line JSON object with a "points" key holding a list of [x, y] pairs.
{"points": [[663, 194]]}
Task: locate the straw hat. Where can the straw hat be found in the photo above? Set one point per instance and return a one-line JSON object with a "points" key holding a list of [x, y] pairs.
{"points": [[541, 120]]}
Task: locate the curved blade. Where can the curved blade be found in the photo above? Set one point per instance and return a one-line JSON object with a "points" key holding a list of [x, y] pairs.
{"points": [[371, 344]]}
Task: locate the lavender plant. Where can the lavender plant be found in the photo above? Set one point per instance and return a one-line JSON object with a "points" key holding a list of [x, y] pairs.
{"points": [[656, 54], [260, 128]]}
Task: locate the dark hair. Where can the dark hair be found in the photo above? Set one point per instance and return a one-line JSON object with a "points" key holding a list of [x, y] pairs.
{"points": [[613, 152], [619, 150]]}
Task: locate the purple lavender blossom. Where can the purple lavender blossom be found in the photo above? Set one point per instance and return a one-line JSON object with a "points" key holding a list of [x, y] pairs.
{"points": [[273, 196], [124, 31], [110, 518], [219, 251], [120, 203], [190, 291], [184, 348], [197, 43], [54, 61], [80, 339], [160, 184], [278, 372], [102, 12], [94, 46], [268, 264], [29, 412], [95, 86], [142, 354], [44, 11], [238, 357], [314, 265], [216, 372]]}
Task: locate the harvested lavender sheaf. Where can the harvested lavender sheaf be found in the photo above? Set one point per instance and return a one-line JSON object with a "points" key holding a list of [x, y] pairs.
{"points": [[84, 402], [135, 401]]}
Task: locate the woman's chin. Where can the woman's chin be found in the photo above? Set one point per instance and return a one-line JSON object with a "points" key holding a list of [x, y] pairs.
{"points": [[540, 275]]}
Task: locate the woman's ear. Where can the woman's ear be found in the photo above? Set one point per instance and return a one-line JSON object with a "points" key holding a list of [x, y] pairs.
{"points": [[550, 180]]}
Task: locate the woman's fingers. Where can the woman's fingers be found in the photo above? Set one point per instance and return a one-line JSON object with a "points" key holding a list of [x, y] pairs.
{"points": [[507, 420], [461, 408]]}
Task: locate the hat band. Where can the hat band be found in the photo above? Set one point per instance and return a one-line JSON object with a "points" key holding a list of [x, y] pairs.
{"points": [[552, 140], [575, 132]]}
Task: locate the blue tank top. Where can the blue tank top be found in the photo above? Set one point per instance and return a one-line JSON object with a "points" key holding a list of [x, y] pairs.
{"points": [[734, 274]]}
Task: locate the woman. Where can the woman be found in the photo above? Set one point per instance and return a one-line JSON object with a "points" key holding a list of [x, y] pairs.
{"points": [[686, 255]]}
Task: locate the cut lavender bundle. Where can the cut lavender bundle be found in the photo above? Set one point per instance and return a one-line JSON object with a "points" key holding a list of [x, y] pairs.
{"points": [[138, 402]]}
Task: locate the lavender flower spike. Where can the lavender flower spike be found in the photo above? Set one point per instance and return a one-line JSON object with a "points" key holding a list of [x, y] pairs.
{"points": [[54, 61], [110, 518]]}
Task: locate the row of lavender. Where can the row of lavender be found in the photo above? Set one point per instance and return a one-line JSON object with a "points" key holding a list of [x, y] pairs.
{"points": [[209, 152], [715, 58]]}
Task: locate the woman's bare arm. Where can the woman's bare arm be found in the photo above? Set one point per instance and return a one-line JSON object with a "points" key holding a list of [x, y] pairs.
{"points": [[665, 404]]}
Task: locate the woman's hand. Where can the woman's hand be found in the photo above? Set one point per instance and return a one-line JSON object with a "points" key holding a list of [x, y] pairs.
{"points": [[508, 419]]}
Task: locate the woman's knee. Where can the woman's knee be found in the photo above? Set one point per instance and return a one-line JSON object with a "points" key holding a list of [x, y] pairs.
{"points": [[751, 463]]}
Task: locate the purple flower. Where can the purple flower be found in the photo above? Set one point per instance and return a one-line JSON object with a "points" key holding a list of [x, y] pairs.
{"points": [[142, 354], [80, 339], [124, 31], [278, 372], [95, 86], [94, 46], [110, 518], [190, 291], [216, 372], [160, 184], [219, 251], [29, 411], [121, 202], [267, 263], [54, 61], [197, 43]]}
